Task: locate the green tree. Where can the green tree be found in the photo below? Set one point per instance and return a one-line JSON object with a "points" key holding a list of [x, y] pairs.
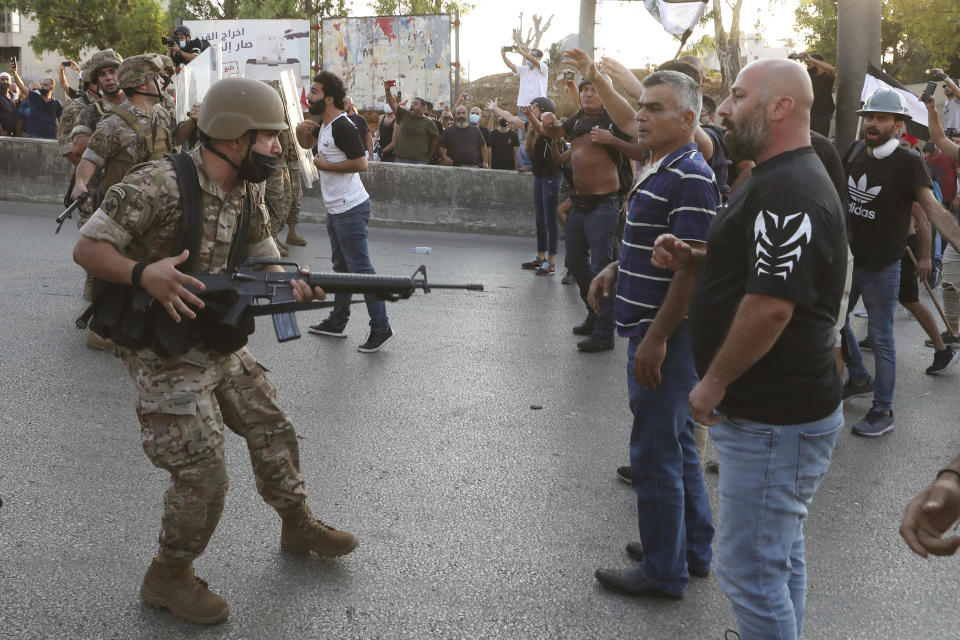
{"points": [[414, 7], [914, 34], [130, 27], [265, 9]]}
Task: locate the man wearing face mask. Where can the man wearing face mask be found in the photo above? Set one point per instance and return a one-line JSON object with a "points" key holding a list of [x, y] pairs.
{"points": [[8, 106], [45, 110], [504, 147], [340, 158], [462, 145], [132, 132], [185, 50], [475, 114], [186, 399], [532, 73]]}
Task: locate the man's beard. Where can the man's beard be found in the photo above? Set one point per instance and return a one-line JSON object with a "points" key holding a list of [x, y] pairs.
{"points": [[745, 141], [881, 140], [463, 123], [317, 108]]}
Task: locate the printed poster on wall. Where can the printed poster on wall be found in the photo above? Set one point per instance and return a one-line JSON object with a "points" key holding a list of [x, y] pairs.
{"points": [[259, 49], [414, 51]]}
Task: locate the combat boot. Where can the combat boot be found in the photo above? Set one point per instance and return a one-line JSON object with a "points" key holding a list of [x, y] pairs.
{"points": [[176, 588], [96, 341], [294, 238], [284, 252], [302, 533]]}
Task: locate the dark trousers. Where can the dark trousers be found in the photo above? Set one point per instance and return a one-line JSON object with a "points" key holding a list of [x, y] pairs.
{"points": [[590, 248]]}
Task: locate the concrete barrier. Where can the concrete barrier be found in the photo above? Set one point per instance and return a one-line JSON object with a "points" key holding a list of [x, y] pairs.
{"points": [[402, 195]]}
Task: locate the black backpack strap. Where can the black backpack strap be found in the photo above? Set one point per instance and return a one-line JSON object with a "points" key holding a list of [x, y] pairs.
{"points": [[853, 151], [191, 227], [238, 250]]}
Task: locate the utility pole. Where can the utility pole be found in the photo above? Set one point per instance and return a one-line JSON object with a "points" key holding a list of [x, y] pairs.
{"points": [[858, 44], [588, 20]]}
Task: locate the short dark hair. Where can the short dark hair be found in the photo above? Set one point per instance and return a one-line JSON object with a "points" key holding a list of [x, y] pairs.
{"points": [[816, 56], [709, 105], [536, 53], [685, 68], [332, 87]]}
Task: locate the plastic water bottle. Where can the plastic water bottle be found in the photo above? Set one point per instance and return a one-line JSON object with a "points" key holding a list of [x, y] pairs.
{"points": [[421, 249]]}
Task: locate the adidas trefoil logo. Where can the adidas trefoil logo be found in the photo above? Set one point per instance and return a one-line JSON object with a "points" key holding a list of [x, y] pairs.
{"points": [[860, 195], [780, 242], [860, 192]]}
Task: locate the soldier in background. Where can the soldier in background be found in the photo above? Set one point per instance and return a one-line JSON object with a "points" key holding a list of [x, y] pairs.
{"points": [[277, 187], [90, 94], [185, 402], [132, 132]]}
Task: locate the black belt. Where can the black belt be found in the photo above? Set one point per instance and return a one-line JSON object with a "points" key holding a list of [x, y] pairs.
{"points": [[587, 202]]}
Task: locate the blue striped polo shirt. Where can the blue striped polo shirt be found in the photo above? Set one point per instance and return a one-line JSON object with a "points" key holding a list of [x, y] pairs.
{"points": [[681, 197]]}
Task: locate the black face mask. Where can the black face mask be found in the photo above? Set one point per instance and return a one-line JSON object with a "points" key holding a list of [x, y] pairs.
{"points": [[255, 167]]}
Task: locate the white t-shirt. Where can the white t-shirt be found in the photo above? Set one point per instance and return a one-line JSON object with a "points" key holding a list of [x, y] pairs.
{"points": [[951, 114], [533, 83], [339, 141]]}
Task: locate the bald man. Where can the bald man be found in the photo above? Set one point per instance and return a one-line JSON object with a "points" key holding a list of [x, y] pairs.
{"points": [[762, 318]]}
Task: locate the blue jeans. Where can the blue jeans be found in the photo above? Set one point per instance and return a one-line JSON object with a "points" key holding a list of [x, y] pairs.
{"points": [[524, 159], [590, 248], [348, 241], [768, 476], [672, 504], [879, 290], [546, 194]]}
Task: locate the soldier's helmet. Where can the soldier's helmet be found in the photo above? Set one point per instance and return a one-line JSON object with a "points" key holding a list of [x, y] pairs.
{"points": [[234, 106], [85, 69], [886, 101], [138, 70], [106, 59], [168, 67]]}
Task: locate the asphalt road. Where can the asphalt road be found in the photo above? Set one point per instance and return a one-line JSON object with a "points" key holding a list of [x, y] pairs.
{"points": [[478, 516]]}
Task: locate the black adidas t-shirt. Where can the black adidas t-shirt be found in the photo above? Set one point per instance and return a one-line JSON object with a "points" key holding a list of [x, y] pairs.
{"points": [[781, 235], [881, 194]]}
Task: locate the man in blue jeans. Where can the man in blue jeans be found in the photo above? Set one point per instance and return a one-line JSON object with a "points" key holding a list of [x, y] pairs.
{"points": [[676, 193], [340, 158], [884, 180], [762, 325]]}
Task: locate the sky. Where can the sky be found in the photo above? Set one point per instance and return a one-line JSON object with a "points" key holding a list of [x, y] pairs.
{"points": [[626, 31]]}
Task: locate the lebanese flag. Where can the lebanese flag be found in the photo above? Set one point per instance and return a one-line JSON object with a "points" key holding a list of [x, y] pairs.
{"points": [[876, 79]]}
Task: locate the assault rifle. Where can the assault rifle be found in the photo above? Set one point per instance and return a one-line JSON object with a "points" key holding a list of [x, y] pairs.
{"points": [[69, 211], [261, 293]]}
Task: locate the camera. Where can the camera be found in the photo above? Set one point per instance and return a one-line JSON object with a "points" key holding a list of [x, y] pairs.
{"points": [[935, 73], [569, 75], [950, 132], [796, 56], [507, 49], [927, 94], [170, 42], [65, 63]]}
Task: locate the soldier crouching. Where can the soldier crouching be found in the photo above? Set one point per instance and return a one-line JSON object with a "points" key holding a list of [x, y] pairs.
{"points": [[188, 395]]}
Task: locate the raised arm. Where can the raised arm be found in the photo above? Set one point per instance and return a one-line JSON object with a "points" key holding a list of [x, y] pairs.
{"points": [[506, 115], [391, 100], [619, 110], [937, 134], [624, 76], [506, 60]]}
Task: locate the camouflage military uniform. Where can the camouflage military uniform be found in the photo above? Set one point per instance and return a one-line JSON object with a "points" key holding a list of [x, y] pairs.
{"points": [[278, 189], [185, 402], [68, 120], [122, 140], [296, 186], [86, 123]]}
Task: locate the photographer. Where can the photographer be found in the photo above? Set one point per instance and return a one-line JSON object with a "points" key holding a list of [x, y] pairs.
{"points": [[951, 109], [70, 92], [533, 84], [822, 76], [182, 49]]}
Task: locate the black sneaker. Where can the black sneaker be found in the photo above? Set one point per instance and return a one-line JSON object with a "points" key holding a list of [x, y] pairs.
{"points": [[865, 344], [375, 340], [624, 474], [864, 390], [942, 360], [584, 329], [327, 328], [875, 423], [532, 264], [595, 344], [948, 339]]}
